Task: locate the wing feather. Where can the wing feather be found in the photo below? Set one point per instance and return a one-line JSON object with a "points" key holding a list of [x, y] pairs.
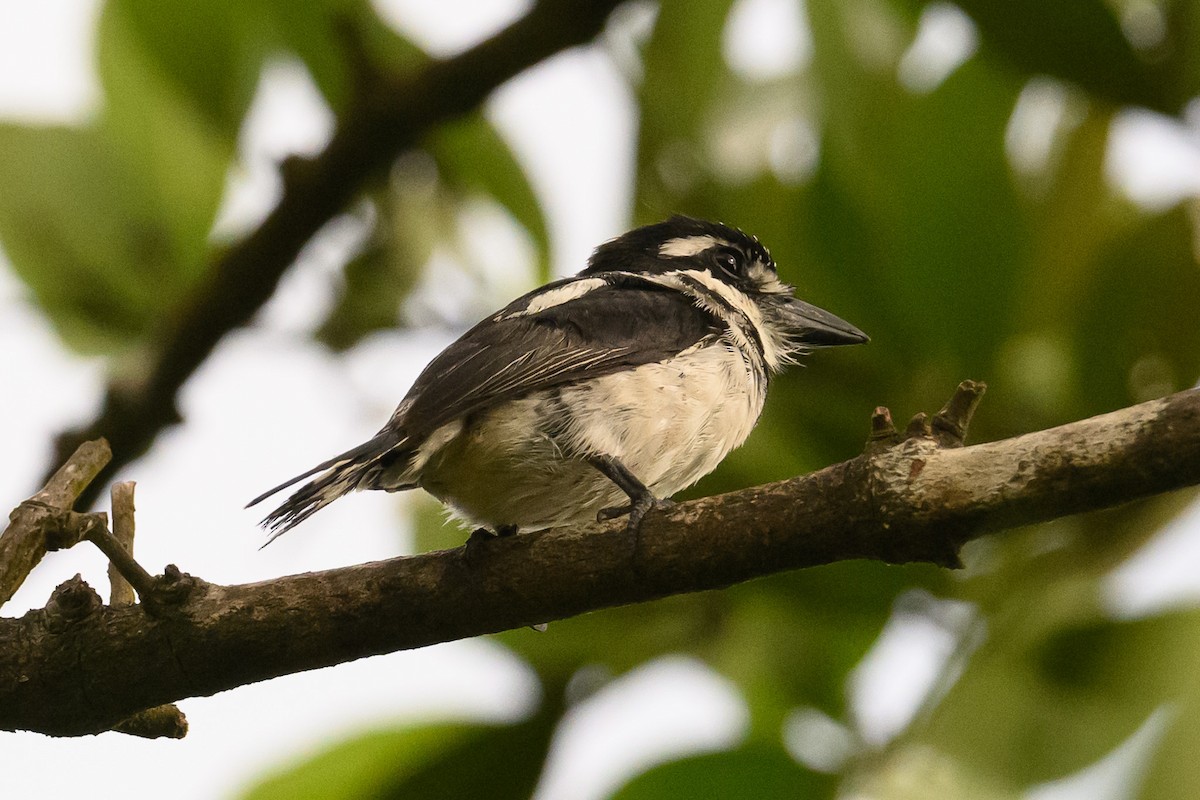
{"points": [[620, 324]]}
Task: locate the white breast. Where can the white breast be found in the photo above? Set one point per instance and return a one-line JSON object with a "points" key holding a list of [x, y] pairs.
{"points": [[670, 423]]}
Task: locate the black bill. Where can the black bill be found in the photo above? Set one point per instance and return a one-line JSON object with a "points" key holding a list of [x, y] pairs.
{"points": [[816, 327]]}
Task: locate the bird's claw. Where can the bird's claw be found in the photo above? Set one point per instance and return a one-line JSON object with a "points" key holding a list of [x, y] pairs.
{"points": [[612, 512], [480, 537], [636, 511]]}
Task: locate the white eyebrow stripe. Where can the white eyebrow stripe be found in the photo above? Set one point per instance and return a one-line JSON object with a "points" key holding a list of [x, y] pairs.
{"points": [[685, 246]]}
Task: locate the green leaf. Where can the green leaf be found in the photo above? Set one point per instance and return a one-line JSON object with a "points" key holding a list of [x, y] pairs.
{"points": [[335, 39], [88, 236], [1151, 342], [205, 54], [792, 639], [1180, 53], [1173, 770], [450, 761], [474, 158], [412, 214], [786, 641], [109, 225], [619, 639], [682, 73], [1080, 41], [1059, 694], [177, 82], [755, 770], [376, 280], [362, 766]]}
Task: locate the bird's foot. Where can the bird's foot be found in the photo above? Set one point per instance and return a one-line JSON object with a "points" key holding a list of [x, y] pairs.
{"points": [[479, 539], [641, 499], [637, 511]]}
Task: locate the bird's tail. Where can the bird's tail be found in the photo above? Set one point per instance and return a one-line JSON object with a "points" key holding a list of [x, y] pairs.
{"points": [[341, 475]]}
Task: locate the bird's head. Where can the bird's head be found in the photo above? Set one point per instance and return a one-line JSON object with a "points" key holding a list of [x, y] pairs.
{"points": [[737, 269]]}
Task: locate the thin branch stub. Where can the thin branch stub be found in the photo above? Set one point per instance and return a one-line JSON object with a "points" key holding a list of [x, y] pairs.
{"points": [[918, 427], [123, 526], [71, 601], [883, 431], [951, 423], [160, 722]]}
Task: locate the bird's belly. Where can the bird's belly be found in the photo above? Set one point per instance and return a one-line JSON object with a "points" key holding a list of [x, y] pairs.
{"points": [[522, 463], [502, 470]]}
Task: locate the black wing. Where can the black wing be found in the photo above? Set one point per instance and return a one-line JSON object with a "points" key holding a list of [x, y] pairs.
{"points": [[623, 323]]}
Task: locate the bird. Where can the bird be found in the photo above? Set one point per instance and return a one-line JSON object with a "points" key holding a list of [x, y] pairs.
{"points": [[595, 396]]}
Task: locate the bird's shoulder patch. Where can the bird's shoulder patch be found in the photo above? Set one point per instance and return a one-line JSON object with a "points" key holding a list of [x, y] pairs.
{"points": [[549, 296]]}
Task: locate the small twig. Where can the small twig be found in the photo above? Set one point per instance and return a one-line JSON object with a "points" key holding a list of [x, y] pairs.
{"points": [[120, 559], [47, 521], [23, 543], [160, 722], [120, 591], [63, 529]]}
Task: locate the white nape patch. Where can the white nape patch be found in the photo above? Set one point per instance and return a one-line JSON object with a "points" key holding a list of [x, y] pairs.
{"points": [[557, 296], [686, 246]]}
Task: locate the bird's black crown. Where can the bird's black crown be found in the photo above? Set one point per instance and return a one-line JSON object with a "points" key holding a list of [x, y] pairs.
{"points": [[639, 250]]}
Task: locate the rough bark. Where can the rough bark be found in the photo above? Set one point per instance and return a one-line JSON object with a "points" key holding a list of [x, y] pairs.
{"points": [[79, 667]]}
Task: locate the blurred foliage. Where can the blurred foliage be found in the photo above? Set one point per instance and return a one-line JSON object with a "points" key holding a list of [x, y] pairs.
{"points": [[426, 762], [109, 224], [903, 207], [753, 771]]}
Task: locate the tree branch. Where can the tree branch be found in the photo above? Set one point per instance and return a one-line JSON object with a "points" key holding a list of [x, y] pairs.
{"points": [[77, 667], [390, 117], [23, 543]]}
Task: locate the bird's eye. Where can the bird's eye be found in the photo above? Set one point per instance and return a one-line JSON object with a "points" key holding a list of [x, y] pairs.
{"points": [[728, 263]]}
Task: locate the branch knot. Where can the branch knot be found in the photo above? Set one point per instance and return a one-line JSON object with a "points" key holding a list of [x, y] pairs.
{"points": [[71, 602]]}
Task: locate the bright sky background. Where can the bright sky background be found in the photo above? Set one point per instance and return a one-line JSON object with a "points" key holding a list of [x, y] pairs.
{"points": [[572, 123]]}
